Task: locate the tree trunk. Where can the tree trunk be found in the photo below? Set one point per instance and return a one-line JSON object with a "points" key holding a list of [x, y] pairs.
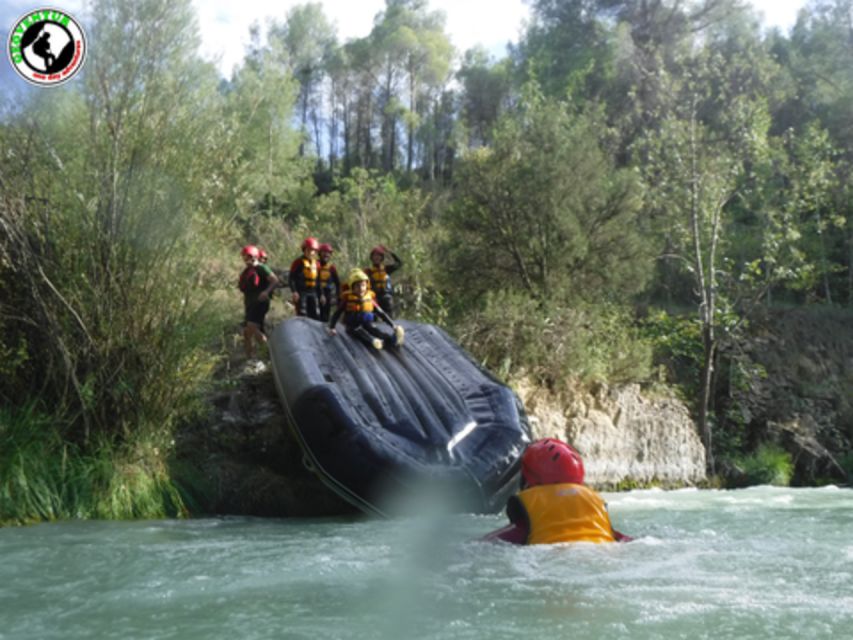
{"points": [[850, 267], [413, 108], [315, 121], [710, 348], [368, 142], [706, 293], [347, 136], [333, 127], [304, 129]]}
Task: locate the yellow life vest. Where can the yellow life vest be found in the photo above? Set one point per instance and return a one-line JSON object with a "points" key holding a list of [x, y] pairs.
{"points": [[309, 273], [378, 278], [362, 304], [325, 272], [566, 513]]}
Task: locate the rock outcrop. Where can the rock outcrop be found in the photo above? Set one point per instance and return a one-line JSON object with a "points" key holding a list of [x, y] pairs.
{"points": [[793, 387], [243, 460], [626, 437]]}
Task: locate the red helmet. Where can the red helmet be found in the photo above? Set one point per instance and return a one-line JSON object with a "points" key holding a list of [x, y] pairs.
{"points": [[325, 247], [262, 254], [378, 249], [250, 250], [310, 243], [551, 461]]}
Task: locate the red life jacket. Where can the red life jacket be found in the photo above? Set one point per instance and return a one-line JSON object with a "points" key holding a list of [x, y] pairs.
{"points": [[255, 279], [250, 280]]}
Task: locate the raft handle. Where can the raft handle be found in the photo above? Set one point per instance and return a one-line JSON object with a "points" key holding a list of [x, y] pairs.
{"points": [[309, 464]]}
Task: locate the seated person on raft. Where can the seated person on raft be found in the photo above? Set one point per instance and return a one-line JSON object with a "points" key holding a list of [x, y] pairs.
{"points": [[359, 309], [554, 505]]}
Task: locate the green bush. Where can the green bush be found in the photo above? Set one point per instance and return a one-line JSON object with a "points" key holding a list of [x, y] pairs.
{"points": [[677, 344], [846, 463], [43, 477], [770, 464], [510, 334]]}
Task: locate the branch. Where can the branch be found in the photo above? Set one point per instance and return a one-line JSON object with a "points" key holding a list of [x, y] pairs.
{"points": [[65, 302]]}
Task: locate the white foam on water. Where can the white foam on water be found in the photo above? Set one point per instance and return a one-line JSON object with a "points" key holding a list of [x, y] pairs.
{"points": [[757, 563]]}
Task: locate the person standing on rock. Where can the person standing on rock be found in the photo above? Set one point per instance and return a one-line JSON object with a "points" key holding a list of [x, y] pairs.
{"points": [[330, 283], [554, 505], [304, 281], [380, 276], [257, 282]]}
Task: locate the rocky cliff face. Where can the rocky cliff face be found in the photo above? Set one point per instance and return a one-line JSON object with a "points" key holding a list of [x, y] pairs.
{"points": [[243, 460], [797, 391], [625, 436]]}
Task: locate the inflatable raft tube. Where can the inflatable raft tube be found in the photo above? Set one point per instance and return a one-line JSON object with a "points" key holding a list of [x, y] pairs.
{"points": [[377, 426]]}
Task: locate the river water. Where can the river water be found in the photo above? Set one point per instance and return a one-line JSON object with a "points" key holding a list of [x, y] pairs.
{"points": [[754, 563]]}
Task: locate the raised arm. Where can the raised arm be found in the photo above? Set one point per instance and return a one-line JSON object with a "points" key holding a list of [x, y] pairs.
{"points": [[391, 268]]}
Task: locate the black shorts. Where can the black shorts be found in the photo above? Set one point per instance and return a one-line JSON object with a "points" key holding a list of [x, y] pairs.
{"points": [[256, 311]]}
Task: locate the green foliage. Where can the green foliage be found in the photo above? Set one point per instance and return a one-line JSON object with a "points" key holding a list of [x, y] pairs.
{"points": [[674, 335], [565, 48], [44, 477], [257, 173], [545, 211], [677, 341], [846, 463], [510, 334], [485, 96], [770, 464], [303, 43], [369, 209], [104, 251], [14, 353]]}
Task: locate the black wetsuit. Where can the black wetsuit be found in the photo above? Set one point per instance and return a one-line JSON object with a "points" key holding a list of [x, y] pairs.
{"points": [[304, 280], [330, 285], [380, 282], [254, 280]]}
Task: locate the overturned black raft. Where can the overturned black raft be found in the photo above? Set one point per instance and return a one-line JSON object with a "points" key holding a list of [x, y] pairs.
{"points": [[379, 425]]}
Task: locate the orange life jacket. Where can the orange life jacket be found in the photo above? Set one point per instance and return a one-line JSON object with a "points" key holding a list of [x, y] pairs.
{"points": [[566, 513], [356, 304], [309, 273], [379, 281], [325, 273]]}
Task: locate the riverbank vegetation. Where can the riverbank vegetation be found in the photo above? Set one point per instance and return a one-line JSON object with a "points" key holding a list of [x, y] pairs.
{"points": [[616, 199]]}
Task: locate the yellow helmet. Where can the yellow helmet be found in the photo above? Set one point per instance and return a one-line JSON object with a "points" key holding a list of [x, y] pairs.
{"points": [[356, 275]]}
